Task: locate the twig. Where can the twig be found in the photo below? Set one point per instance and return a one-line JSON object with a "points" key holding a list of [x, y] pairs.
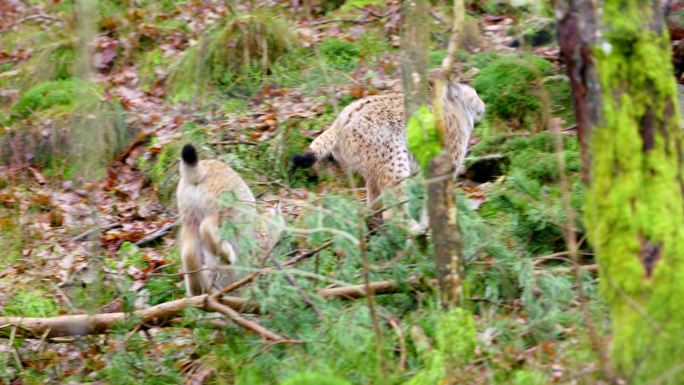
{"points": [[290, 279], [89, 232], [565, 270], [157, 234], [394, 323], [237, 141], [559, 256], [213, 304], [308, 254], [344, 20], [242, 282]]}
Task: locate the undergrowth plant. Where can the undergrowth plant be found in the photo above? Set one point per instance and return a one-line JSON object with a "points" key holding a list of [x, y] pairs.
{"points": [[236, 53]]}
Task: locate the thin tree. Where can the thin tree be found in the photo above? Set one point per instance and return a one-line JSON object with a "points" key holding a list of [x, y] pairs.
{"points": [[628, 122], [439, 167]]}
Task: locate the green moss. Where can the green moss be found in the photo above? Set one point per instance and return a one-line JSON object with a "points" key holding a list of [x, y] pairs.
{"points": [[631, 167], [508, 86], [53, 94], [86, 129], [33, 303], [340, 54]]}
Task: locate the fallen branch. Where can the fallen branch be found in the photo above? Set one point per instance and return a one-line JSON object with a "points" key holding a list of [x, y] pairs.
{"points": [[165, 313], [215, 305], [380, 287], [157, 234], [84, 324], [88, 233]]}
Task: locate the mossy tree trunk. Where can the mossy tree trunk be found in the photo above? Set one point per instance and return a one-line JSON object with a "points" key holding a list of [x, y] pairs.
{"points": [[627, 113]]}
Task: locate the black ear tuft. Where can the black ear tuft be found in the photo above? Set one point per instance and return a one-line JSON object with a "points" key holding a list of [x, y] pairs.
{"points": [[305, 160], [189, 155]]}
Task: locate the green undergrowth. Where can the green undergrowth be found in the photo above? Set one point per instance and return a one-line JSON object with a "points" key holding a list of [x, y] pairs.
{"points": [[234, 55], [509, 85], [30, 303], [528, 196], [53, 56]]}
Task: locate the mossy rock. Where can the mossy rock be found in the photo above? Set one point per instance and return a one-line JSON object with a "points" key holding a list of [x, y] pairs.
{"points": [[66, 126], [61, 93], [509, 84]]}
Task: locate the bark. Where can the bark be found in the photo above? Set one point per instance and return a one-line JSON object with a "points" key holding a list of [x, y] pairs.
{"points": [[162, 314], [415, 40], [84, 324], [634, 207], [445, 235], [441, 208], [380, 287]]}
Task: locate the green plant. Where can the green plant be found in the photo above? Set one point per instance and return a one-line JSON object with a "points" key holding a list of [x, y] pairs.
{"points": [[339, 54], [238, 51], [509, 86], [30, 303]]}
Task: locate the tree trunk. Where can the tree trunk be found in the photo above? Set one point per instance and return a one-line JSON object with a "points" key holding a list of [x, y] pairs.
{"points": [[634, 209], [415, 40], [445, 235]]}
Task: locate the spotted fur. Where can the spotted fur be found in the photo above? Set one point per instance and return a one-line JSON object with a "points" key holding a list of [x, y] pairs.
{"points": [[369, 136]]}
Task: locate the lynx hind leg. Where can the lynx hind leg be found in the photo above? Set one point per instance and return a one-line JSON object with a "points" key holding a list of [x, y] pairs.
{"points": [[209, 232], [191, 259]]}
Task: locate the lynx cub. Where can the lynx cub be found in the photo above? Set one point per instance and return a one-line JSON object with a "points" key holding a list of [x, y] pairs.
{"points": [[207, 257], [369, 136]]}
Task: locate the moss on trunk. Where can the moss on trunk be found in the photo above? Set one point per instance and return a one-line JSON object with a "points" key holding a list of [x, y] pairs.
{"points": [[634, 207]]}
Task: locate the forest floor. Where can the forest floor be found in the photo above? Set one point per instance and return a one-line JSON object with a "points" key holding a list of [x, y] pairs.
{"points": [[89, 167]]}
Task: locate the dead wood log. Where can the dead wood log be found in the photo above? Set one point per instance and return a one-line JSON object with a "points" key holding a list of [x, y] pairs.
{"points": [[84, 324]]}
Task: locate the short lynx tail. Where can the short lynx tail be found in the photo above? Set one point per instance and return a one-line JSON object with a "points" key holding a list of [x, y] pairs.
{"points": [[189, 155], [188, 166], [319, 149], [304, 160]]}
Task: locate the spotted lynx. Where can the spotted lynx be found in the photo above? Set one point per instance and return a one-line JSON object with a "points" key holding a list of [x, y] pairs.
{"points": [[208, 259], [369, 136]]}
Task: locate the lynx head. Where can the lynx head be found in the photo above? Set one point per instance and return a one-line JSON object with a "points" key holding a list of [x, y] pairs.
{"points": [[467, 97]]}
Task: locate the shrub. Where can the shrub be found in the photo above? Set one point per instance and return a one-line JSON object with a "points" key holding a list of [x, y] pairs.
{"points": [[238, 51], [508, 85]]}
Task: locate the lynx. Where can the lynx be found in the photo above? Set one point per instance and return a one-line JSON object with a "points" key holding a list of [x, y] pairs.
{"points": [[369, 137], [207, 259]]}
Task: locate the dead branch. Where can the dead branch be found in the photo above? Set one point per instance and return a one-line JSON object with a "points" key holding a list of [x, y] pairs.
{"points": [[165, 313], [89, 232], [84, 324], [157, 234], [215, 305], [380, 287]]}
